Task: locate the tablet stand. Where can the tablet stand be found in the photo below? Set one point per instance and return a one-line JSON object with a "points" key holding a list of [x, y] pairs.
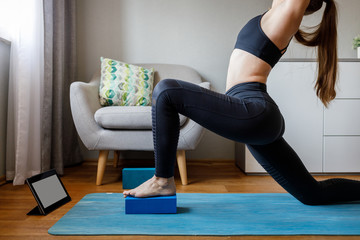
{"points": [[35, 212]]}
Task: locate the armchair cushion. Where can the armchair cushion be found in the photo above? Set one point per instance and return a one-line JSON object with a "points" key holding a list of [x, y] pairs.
{"points": [[127, 117], [131, 117], [125, 84]]}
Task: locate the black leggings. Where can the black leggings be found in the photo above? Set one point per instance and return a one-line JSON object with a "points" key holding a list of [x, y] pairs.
{"points": [[247, 114]]}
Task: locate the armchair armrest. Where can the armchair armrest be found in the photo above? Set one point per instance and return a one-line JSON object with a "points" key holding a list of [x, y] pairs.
{"points": [[84, 103]]}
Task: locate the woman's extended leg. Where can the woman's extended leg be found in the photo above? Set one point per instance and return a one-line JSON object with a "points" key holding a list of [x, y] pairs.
{"points": [[284, 165]]}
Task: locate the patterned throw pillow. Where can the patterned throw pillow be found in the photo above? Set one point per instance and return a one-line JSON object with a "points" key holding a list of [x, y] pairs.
{"points": [[123, 84]]}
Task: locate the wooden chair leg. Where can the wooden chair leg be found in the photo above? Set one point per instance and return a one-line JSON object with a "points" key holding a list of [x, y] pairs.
{"points": [[181, 160], [116, 158], [103, 156]]}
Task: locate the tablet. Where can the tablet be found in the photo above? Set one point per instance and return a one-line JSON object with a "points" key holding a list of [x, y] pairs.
{"points": [[48, 191]]}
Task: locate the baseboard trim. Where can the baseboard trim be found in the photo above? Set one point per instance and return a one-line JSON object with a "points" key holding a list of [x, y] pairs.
{"points": [[145, 162], [2, 180]]}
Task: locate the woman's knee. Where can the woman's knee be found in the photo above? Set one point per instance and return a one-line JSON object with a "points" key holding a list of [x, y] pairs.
{"points": [[312, 201], [312, 198], [164, 86]]}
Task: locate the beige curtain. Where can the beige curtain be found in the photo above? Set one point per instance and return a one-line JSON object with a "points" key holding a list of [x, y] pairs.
{"points": [[60, 146], [21, 22]]}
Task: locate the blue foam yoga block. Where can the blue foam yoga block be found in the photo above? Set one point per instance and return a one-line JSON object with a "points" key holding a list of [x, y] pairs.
{"points": [[133, 177], [162, 204]]}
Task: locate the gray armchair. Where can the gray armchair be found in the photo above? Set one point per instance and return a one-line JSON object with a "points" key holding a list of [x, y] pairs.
{"points": [[128, 128]]}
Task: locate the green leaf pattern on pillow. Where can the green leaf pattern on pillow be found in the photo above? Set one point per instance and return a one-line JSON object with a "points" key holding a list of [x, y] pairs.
{"points": [[123, 84]]}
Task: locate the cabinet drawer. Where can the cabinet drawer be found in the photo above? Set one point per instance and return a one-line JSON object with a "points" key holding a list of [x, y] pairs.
{"points": [[349, 80], [341, 154], [342, 117]]}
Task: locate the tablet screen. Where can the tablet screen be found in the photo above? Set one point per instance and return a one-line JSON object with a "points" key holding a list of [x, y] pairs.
{"points": [[49, 190]]}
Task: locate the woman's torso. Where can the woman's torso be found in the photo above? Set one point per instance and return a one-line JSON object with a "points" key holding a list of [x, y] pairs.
{"points": [[279, 25]]}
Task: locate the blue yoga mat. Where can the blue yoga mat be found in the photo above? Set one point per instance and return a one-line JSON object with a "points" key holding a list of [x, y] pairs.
{"points": [[211, 214]]}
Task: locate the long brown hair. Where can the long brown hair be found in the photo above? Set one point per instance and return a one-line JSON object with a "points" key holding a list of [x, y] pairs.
{"points": [[325, 38]]}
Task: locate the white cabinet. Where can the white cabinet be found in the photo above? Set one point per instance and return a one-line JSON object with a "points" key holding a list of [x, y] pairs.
{"points": [[342, 123], [327, 140], [349, 80], [342, 117], [341, 154]]}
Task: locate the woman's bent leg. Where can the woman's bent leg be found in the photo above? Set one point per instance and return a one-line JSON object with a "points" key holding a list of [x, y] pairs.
{"points": [[231, 117], [217, 112]]}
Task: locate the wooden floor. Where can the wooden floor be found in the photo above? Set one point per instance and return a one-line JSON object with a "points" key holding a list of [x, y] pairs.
{"points": [[204, 177]]}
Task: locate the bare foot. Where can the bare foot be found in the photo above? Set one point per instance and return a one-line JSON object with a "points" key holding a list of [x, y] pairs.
{"points": [[155, 186]]}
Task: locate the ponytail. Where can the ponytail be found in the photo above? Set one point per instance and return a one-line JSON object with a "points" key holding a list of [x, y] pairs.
{"points": [[325, 38]]}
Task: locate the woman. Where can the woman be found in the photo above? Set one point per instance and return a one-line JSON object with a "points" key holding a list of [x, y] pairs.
{"points": [[246, 113]]}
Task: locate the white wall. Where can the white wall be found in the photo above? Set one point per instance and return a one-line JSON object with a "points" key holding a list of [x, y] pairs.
{"points": [[4, 83], [197, 33]]}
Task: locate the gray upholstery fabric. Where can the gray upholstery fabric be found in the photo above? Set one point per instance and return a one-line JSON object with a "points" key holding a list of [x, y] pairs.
{"points": [[127, 117], [85, 103]]}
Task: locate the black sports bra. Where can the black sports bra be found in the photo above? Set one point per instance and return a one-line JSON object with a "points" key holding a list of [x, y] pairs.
{"points": [[252, 39]]}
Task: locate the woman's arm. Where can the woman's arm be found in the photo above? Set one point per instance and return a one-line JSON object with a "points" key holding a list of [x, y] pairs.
{"points": [[282, 21], [297, 6]]}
